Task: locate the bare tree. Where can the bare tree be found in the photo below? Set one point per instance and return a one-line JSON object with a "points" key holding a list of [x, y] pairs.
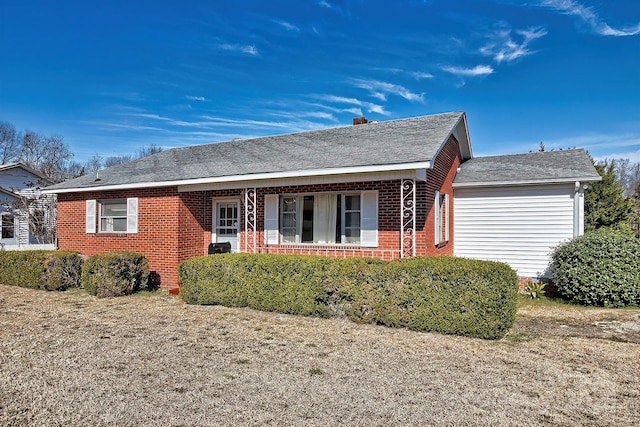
{"points": [[9, 143], [149, 150], [94, 164], [46, 154], [117, 160]]}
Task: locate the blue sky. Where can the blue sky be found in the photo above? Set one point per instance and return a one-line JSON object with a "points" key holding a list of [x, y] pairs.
{"points": [[111, 76]]}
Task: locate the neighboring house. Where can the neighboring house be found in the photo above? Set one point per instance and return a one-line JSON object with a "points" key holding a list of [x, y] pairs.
{"points": [[18, 184], [379, 189]]}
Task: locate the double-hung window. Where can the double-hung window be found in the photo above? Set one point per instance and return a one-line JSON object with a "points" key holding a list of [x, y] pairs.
{"points": [[322, 218], [114, 216], [7, 226], [441, 218]]}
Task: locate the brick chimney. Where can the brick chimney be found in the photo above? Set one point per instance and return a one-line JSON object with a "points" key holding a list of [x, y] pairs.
{"points": [[360, 120]]}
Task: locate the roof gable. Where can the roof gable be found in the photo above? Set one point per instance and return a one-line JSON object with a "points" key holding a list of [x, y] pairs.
{"points": [[388, 145]]}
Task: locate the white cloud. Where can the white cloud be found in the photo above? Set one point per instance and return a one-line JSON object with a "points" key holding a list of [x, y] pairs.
{"points": [[503, 48], [478, 70], [196, 98], [419, 75], [324, 3], [589, 17], [369, 106], [380, 89], [287, 26], [247, 49]]}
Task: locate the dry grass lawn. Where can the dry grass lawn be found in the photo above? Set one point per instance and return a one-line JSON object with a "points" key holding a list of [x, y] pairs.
{"points": [[69, 359]]}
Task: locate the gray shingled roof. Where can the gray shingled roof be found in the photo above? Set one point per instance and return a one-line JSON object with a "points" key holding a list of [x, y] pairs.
{"points": [[536, 167], [378, 143]]}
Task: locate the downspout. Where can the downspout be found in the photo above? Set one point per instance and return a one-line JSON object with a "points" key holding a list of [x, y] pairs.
{"points": [[578, 210]]}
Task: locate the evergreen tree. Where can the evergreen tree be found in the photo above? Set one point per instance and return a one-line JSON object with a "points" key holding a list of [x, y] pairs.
{"points": [[605, 204]]}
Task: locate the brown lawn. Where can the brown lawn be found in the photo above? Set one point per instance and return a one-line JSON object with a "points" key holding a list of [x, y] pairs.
{"points": [[69, 359]]}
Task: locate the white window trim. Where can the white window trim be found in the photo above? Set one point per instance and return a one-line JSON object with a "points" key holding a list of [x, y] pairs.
{"points": [[94, 222], [15, 228], [440, 203]]}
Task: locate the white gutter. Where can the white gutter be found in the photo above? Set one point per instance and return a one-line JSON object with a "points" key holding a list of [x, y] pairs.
{"points": [[245, 178]]}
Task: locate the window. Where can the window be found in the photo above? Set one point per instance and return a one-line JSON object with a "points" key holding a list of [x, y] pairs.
{"points": [[115, 216], [441, 218], [327, 218], [322, 218], [7, 226]]}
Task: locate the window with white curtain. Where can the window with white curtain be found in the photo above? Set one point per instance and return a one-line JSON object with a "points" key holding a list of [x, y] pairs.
{"points": [[323, 218]]}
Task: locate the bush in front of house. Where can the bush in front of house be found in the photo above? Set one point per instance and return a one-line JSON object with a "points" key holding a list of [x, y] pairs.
{"points": [[600, 268], [62, 270], [40, 269], [441, 294], [115, 274], [292, 284]]}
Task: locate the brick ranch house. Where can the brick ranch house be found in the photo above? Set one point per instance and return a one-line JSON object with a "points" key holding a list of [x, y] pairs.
{"points": [[387, 190]]}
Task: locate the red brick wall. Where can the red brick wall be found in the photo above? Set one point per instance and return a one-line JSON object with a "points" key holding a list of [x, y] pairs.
{"points": [[158, 228], [175, 226], [439, 178]]}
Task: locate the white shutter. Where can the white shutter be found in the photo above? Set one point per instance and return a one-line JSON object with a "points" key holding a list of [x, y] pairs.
{"points": [[90, 216], [447, 210], [437, 219], [132, 215], [271, 204], [369, 219], [21, 231]]}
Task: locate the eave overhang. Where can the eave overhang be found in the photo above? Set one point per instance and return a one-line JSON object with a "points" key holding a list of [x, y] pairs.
{"points": [[247, 178]]}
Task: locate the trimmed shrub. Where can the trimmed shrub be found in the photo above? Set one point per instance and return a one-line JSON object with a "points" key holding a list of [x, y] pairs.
{"points": [[440, 294], [115, 274], [600, 268], [51, 270], [23, 268], [290, 284]]}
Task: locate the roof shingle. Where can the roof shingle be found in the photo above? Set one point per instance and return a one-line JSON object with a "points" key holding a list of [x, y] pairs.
{"points": [[376, 143], [535, 167]]}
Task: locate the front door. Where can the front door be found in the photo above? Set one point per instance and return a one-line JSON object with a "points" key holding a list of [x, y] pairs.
{"points": [[226, 223]]}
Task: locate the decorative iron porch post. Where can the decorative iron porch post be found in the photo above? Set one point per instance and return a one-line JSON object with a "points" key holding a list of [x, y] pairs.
{"points": [[408, 218], [250, 219]]}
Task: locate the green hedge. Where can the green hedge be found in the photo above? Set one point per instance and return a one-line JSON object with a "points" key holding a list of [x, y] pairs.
{"points": [[287, 284], [51, 270], [115, 274], [600, 268], [441, 294]]}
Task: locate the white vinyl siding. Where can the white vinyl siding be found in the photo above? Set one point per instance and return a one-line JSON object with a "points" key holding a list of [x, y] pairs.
{"points": [[516, 225]]}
